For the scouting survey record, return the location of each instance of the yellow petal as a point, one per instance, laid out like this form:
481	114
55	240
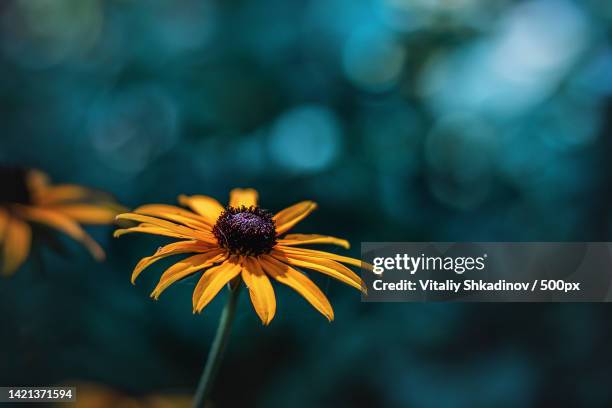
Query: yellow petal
87	213
145	228
305	239
201	235
17	241
65	193
187	267
4	219
152	220
321	254
175	214
37	183
328	267
37	179
212	281
299	282
207	207
260	289
247	197
181	247
64	224
287	218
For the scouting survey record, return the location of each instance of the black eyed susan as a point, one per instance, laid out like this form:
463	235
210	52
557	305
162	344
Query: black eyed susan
91	395
240	241
28	199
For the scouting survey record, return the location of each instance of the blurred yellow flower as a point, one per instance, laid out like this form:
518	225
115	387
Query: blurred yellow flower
244	241
28	198
90	395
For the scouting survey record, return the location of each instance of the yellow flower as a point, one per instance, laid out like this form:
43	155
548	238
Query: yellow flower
240	240
26	196
90	395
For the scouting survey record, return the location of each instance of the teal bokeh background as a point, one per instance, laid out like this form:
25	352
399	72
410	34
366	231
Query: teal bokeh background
406	120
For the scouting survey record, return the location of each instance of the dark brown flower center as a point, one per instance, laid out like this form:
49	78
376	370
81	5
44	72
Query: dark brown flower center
246	231
13	187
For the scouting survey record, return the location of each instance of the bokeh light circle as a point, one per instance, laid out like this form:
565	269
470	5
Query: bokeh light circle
305	139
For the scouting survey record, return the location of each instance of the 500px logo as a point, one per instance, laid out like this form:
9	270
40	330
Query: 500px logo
413	264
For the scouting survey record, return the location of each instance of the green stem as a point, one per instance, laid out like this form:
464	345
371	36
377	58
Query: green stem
215	355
